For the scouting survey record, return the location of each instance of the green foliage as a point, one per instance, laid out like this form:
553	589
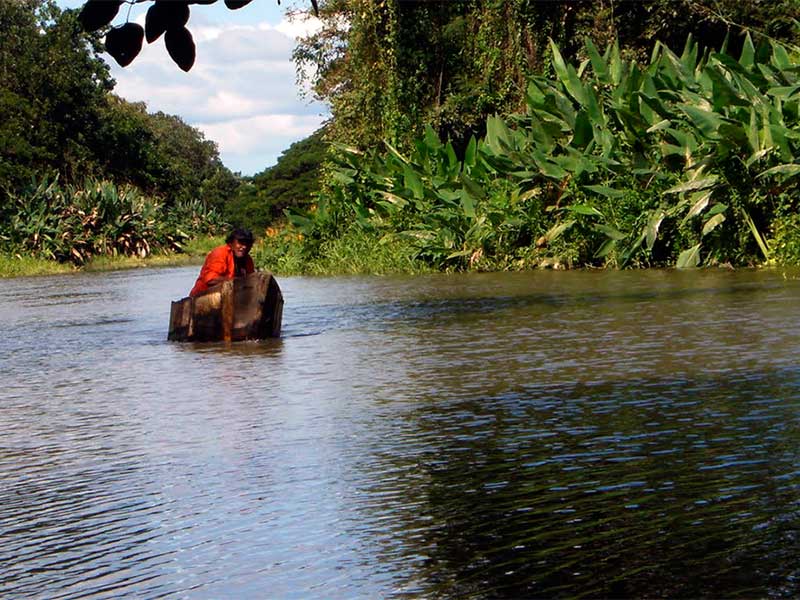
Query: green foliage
74	224
389	68
61	124
355	252
18	266
685	161
292	183
281	251
785	240
51	87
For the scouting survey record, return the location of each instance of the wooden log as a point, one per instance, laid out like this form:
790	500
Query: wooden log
273	309
249	294
180	320
241	309
227	310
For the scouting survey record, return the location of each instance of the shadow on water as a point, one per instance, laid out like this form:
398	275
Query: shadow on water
266	347
646	488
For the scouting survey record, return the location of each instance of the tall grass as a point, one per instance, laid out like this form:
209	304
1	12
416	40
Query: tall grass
284	251
17	266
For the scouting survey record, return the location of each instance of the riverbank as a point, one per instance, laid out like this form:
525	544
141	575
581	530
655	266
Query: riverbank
16	265
285	252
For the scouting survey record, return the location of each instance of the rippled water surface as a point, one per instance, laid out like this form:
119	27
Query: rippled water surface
575	434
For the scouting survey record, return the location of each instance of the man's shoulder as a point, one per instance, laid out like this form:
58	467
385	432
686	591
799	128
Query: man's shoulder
220	250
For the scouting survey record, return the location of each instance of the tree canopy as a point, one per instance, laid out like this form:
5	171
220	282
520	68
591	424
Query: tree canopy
388	68
60	116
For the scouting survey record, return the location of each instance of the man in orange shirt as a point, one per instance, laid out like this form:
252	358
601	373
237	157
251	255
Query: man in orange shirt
226	262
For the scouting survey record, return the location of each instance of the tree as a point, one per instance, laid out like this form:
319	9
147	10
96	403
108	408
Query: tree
290	183
59	116
52	86
388	68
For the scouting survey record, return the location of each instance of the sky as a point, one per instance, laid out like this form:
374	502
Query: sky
241	92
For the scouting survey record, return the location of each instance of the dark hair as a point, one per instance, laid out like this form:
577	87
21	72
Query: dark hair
243	235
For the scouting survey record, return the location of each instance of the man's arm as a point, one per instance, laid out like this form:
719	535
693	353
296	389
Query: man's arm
215	270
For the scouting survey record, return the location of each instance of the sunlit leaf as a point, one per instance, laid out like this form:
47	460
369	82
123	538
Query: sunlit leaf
412	181
584	209
556	231
467	204
718	208
498	135
689	258
604	190
599	65
747	58
780	58
708	122
690	186
605	249
762	243
701	200
651	231
712	223
789	170
394	199
548	167
470	152
394	152
609	231
663	124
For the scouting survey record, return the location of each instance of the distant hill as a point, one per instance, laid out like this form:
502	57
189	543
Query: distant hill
292	181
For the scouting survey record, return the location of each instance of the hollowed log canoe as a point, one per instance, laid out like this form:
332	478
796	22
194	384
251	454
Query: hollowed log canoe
245	308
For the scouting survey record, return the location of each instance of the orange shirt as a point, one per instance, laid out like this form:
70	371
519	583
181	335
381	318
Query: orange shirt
219	263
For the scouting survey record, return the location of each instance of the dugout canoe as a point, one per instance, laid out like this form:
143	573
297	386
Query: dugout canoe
246	308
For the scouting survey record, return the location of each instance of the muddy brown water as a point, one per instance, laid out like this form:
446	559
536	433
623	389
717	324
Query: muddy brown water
545	434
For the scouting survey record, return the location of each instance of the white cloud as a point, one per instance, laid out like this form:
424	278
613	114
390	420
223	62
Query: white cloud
300	26
247	141
241	91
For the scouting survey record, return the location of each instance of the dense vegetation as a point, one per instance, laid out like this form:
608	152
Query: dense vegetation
292	182
482	134
83	172
688	160
495	135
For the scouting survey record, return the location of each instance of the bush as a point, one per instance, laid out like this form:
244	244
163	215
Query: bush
75	223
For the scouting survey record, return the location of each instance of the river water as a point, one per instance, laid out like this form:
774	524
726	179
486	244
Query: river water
544	434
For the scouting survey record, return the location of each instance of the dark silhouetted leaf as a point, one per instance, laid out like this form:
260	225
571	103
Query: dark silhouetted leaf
180	46
98	13
165	15
316	8
125	42
234	4
202	1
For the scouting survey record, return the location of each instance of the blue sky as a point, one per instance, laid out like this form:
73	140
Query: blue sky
241	91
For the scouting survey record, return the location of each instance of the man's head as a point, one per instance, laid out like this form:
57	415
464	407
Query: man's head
240	241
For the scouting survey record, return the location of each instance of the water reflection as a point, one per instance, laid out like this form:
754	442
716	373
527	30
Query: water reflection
656	488
496	435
